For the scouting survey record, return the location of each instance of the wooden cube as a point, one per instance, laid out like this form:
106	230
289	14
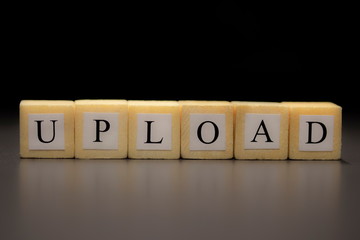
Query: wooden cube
315	130
101	128
47	129
154	129
261	130
206	129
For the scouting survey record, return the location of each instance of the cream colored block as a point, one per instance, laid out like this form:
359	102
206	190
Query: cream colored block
101	128
315	130
154	130
46	129
206	129
261	130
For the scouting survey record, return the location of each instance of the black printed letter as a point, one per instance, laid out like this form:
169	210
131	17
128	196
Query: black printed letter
148	137
39	131
310	140
262	124
216	135
98	130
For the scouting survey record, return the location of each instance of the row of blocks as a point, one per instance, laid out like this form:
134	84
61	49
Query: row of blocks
89	129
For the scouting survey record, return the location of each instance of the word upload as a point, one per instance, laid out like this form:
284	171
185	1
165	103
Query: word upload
118	129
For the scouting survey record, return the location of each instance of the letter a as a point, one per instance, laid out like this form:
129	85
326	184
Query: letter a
262	125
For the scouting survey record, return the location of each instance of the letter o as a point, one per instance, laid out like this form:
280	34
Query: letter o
216	135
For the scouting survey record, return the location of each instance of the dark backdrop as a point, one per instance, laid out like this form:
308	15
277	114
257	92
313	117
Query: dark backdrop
213	51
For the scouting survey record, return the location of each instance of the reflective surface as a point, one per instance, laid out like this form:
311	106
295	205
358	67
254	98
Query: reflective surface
179	199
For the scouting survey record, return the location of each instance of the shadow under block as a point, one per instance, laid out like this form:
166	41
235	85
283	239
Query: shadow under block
101	128
154	130
47	129
261	130
206	130
315	130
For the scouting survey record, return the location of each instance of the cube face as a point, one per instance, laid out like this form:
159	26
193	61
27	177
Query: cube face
47	129
206	130
154	130
315	130
101	128
261	130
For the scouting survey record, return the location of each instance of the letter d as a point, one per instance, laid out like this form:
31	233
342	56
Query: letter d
310	129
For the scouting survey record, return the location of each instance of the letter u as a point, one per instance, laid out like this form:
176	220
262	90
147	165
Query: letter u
38	122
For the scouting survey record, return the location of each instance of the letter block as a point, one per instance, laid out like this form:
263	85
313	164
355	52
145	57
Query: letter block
46	129
315	130
206	129
261	130
101	128
154	129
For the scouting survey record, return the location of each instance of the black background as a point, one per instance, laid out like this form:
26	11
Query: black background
213	51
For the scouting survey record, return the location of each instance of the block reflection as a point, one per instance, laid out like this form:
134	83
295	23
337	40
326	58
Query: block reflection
176	199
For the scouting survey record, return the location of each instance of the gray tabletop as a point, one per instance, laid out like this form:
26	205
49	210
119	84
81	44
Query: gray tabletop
179	199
